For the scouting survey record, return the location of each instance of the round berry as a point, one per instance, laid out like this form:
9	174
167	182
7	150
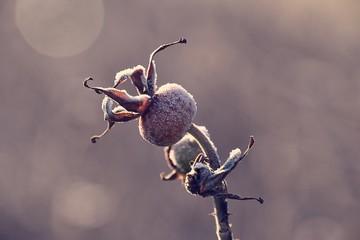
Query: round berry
169	115
185	151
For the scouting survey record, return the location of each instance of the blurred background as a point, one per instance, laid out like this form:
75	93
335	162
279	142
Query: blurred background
286	72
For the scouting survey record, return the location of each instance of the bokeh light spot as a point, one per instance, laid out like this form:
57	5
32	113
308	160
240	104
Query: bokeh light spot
319	228
59	28
83	204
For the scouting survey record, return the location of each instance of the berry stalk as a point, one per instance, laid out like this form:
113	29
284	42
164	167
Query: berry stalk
221	214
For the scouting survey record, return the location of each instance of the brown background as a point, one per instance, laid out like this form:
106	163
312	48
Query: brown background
285	71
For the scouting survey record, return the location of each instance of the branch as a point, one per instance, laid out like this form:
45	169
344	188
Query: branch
206	145
221	214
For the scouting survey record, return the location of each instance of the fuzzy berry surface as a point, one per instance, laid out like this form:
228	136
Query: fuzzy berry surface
169	115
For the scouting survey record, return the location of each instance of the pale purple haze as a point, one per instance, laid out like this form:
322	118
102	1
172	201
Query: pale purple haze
286	72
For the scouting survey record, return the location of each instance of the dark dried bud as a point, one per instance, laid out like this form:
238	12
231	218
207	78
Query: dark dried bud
196	179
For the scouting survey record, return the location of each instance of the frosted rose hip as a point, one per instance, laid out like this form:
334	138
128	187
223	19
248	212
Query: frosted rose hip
165	115
169	115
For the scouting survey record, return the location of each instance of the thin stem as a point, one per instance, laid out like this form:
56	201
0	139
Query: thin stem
221	214
206	145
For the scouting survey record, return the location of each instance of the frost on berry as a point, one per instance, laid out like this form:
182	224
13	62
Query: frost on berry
185	151
169	116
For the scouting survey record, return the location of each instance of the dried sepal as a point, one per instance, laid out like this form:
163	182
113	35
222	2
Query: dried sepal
180	156
118	114
185	151
136	104
121	77
173	175
235	157
151	70
204	181
151	78
168	159
176	172
125	74
196	179
238	197
94	138
138	79
85	83
132	107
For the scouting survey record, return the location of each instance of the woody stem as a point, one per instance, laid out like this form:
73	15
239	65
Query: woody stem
206	145
221	214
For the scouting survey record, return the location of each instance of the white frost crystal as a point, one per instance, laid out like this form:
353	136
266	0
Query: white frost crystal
234	156
106	106
123	74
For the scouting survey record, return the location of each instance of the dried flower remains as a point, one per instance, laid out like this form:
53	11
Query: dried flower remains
166	119
165	114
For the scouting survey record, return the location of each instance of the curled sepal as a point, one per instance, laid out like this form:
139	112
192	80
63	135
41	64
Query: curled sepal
173	175
122	76
151	71
196	179
85	83
204	181
94	138
180	155
118	114
136	104
229	165
176	173
106	107
151	78
139	80
238	197
236	156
